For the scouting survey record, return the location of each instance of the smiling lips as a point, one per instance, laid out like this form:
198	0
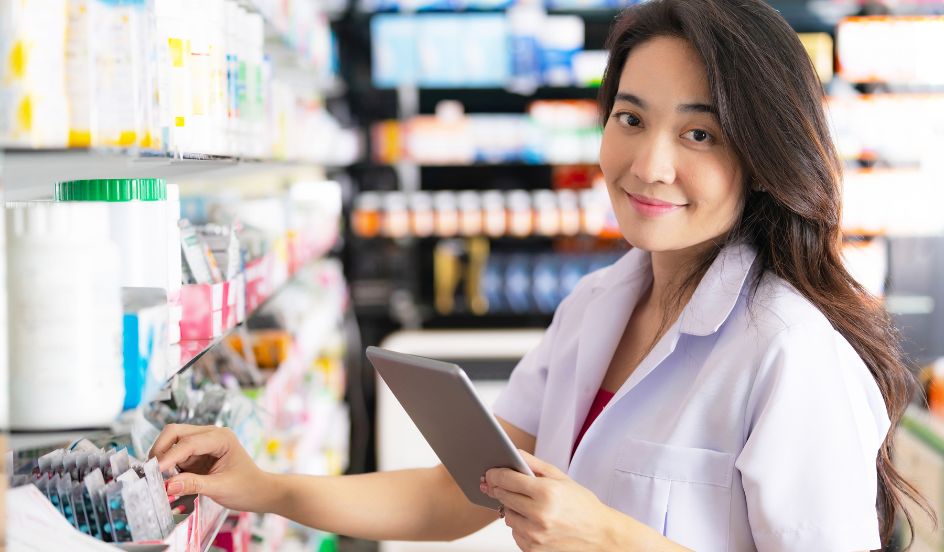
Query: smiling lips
651	207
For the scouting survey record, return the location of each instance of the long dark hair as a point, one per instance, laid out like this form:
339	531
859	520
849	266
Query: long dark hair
770	105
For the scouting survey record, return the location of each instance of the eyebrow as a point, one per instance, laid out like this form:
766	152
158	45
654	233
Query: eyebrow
682	108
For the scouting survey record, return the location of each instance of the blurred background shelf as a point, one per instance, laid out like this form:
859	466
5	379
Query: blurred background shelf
30	173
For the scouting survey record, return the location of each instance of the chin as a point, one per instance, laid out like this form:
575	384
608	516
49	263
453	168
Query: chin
646	242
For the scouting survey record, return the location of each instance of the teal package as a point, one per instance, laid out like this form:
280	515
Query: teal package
144	343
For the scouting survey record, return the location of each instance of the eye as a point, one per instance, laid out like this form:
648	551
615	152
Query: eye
627	119
700	136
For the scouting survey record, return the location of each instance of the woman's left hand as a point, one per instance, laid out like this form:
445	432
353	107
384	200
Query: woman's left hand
550	511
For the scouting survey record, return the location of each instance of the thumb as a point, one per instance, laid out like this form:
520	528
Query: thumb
540	467
190	484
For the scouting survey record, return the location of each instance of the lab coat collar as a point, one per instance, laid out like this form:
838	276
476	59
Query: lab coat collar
613	298
718	291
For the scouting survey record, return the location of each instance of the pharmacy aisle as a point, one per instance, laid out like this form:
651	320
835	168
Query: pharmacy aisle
171	228
480	203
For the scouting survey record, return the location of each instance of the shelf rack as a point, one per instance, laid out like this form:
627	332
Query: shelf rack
191	353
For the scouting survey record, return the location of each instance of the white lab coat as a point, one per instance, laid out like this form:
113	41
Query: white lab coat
752	424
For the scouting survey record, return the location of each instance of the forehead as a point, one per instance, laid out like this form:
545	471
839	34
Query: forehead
665	69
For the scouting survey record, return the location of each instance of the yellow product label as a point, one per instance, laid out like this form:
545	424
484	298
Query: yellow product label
24	114
147	141
178	51
179	121
127	138
18	60
80	138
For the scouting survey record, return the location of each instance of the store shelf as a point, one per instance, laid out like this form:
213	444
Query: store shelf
485	164
799	15
30	173
191	352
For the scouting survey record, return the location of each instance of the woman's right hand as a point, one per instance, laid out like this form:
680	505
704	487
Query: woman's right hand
214	463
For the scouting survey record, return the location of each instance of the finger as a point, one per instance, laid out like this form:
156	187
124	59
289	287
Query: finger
540	467
523	542
171	434
511	480
518	502
191	484
212	443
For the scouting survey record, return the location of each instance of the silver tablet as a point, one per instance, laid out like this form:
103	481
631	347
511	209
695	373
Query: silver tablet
442	403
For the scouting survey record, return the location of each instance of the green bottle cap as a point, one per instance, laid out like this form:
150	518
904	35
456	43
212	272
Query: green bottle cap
112	189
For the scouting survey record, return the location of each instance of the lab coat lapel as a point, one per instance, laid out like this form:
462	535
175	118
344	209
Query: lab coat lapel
605	318
709	307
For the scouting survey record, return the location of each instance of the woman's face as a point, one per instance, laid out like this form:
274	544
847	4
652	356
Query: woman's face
673	181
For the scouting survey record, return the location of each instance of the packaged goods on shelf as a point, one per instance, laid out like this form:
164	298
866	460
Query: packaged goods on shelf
523	50
864	55
163	76
516	213
107	495
472	280
34	109
408	6
889	130
554	132
908	199
65	295
145	329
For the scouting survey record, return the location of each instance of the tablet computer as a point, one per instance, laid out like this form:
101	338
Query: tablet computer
440	399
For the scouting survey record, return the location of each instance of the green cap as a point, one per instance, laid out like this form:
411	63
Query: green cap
112	189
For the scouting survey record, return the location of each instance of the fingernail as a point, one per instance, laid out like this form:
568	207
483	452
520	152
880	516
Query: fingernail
482	479
175	488
484	488
177	510
171	498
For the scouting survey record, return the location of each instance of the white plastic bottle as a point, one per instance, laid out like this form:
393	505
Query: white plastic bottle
65	303
137	209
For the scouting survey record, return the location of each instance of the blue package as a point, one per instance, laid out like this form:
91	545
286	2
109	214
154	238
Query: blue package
573	268
393	49
562	37
439	47
483	55
492	5
493	283
146	324
517	282
546	283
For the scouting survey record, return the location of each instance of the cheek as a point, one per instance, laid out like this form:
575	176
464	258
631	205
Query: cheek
612	156
718	198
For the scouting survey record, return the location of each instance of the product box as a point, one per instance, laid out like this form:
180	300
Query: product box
482	52
145	339
258	285
394	51
203	310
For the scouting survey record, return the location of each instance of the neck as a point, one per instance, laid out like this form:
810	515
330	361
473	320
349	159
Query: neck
670	270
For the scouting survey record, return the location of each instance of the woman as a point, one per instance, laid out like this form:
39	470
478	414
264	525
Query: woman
724	386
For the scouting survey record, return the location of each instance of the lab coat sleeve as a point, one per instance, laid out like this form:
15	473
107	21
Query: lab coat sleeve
521	401
815	420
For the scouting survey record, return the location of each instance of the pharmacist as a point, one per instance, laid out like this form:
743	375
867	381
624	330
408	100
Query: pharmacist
726	385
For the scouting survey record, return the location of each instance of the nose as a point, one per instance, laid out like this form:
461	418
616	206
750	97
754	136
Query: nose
654	161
